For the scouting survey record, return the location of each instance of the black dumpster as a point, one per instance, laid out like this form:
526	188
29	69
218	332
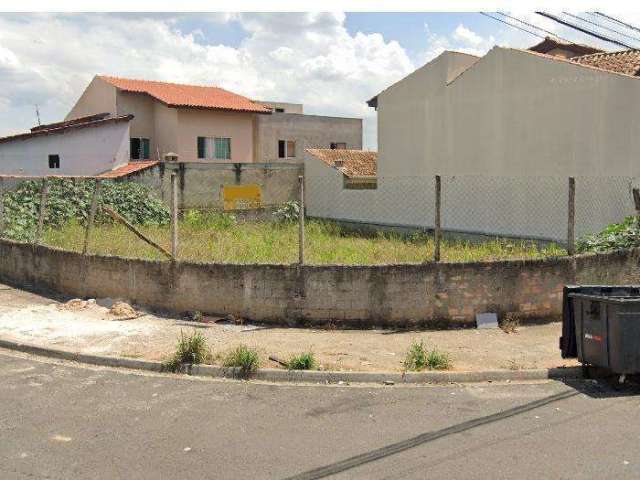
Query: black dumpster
601	326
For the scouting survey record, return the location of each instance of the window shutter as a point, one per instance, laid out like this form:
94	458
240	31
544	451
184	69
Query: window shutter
201	147
291	149
223	148
145	148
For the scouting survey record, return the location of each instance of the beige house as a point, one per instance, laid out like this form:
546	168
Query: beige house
209	124
505	131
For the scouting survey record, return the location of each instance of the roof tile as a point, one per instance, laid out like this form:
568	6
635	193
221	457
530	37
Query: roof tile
625	61
128	169
352	163
194	96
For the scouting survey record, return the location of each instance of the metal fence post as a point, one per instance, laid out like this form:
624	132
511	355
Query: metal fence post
44	193
92	216
174	216
571	217
1	213
301	223
437	234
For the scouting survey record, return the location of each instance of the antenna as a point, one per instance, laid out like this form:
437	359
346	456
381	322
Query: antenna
38	114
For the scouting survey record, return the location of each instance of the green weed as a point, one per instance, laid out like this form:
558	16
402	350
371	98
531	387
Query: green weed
243	357
304	361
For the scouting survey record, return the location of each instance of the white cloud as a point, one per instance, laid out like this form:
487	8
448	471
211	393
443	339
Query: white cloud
461	39
308	58
464	35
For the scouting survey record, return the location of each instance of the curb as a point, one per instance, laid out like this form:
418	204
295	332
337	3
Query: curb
305	376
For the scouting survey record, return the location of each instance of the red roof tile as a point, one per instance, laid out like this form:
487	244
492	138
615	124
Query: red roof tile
351	163
625	61
128	169
194	96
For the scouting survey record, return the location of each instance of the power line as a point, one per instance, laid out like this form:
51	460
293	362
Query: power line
533	26
512	25
618	21
583	29
601	26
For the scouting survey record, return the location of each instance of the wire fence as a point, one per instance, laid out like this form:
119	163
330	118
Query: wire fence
319	220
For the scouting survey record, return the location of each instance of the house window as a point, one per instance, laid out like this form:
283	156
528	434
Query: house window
286	149
279	110
214	148
139	148
338	146
54	161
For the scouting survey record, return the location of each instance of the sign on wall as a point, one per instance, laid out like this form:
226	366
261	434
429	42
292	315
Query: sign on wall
241	197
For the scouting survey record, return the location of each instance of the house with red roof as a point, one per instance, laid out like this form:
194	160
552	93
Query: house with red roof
209	124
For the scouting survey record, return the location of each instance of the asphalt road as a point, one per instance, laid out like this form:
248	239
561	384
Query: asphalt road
62	421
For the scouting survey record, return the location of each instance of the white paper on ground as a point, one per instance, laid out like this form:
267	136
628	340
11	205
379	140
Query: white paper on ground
486	320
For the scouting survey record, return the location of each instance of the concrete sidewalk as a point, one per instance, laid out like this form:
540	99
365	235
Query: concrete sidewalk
51	322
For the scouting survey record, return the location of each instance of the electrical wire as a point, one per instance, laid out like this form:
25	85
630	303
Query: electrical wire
512	25
618	21
583	29
601	26
534	26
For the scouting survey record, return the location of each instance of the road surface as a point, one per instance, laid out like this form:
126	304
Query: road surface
63	421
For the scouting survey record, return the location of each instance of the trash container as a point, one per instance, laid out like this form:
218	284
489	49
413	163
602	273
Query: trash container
601	326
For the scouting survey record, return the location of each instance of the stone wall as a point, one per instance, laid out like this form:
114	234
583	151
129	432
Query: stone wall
200	184
419	295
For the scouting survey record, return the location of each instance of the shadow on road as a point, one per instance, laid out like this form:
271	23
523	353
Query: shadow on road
421	439
605	387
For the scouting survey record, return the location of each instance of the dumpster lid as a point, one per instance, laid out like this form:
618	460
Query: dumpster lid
607	298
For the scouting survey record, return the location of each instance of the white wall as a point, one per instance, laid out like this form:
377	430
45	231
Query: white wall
83	151
505	134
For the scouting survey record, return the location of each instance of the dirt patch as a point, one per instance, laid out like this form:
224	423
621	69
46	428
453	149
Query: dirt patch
122	309
92	329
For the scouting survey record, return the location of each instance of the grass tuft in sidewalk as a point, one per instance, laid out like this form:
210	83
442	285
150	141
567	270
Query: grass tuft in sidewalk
419	358
191	350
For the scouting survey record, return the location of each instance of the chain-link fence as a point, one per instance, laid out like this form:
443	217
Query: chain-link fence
361	221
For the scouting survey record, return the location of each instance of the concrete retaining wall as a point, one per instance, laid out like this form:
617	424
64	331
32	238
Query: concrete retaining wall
426	295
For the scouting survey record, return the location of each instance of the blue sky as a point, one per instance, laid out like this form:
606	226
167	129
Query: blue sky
331	62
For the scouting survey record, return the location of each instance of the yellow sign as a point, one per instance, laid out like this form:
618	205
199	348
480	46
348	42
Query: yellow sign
241	197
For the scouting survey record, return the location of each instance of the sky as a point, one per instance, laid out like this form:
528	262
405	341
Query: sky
330	62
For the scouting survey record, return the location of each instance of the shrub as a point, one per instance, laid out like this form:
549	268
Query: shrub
190	349
418	358
69	200
437	360
289	212
615	236
304	361
243	357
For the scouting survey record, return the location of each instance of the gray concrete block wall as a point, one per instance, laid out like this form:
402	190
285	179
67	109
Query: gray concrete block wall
308	131
420	295
200	184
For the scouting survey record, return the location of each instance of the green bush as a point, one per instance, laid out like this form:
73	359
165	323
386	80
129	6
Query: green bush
243	357
304	361
418	358
69	199
613	237
191	350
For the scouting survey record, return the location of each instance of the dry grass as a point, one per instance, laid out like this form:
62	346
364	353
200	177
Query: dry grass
218	238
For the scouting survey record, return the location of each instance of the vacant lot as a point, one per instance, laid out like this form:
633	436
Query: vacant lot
220	238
